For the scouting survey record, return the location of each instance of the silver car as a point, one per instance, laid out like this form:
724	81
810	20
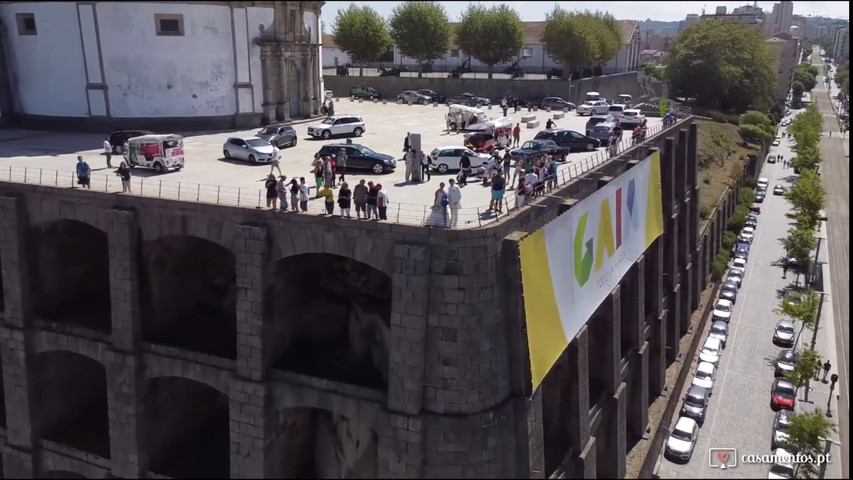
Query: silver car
255	150
413	97
720	331
696	403
785	333
728	291
781	424
785	362
682	440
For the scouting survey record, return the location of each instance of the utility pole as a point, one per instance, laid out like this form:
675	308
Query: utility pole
827	446
817	318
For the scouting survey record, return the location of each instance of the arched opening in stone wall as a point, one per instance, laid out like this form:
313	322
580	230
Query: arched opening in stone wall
70	274
188	295
186	429
61	474
331	318
314	443
71	401
556	416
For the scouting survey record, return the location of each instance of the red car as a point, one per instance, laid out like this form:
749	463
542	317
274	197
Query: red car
783	395
481	142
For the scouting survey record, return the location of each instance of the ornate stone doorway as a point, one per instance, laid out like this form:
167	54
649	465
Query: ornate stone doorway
294	90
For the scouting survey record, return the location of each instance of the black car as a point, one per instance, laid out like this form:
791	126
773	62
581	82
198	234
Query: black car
280	135
536	149
556	103
468	99
361	91
432	94
771	159
360	157
574	141
119	138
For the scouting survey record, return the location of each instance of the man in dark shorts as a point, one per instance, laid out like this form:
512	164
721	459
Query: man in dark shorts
83	172
359	197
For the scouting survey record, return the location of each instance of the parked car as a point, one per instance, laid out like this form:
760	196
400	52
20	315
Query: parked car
468	99
776	142
783	465
751	221
735	276
481	142
781	425
785	362
746	237
760	195
279	134
742	251
412	96
433	95
351	125
574	141
616	110
763	183
593	107
632	117
722	310
785	333
603	130
739	262
446	159
783	395
704	376
771	159
728	291
778	190
118	138
364	92
254	150
360	157
711	351
556	103
720	331
682	440
536	149
695	404
595	120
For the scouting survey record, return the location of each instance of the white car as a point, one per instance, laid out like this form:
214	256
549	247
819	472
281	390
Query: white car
705	375
746	237
594	107
739	262
723	310
783	466
738	271
616	110
776	142
254	150
445	159
632	117
350	125
711	351
763	183
682	439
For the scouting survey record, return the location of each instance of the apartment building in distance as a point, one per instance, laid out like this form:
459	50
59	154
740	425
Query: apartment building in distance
841	46
752	19
785	48
780	19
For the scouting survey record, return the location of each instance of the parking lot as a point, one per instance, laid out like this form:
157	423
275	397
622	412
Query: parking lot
49	158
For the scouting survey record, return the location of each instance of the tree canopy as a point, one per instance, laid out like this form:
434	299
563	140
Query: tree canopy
807	197
361	32
421	30
757	127
581	40
722	65
801	307
807	436
842	78
803	74
491	35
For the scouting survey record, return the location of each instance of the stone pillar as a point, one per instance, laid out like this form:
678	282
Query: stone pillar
612	434
253	349
401	447
667	177
409	310
633	308
579	425
654	276
611	318
251	426
15	345
125	394
123	238
657	356
681	161
638	392
267	67
673	337
282	104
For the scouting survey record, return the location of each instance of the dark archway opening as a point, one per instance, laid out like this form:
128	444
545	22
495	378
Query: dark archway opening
187	429
188	295
313	443
556	416
62	474
331	318
70	274
71	401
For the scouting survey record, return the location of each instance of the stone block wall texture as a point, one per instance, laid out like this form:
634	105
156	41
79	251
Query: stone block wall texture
458	402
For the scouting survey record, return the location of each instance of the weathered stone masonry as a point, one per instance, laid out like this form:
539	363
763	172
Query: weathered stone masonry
458	400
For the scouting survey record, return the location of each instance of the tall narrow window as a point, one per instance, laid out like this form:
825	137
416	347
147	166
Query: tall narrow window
26	23
169	24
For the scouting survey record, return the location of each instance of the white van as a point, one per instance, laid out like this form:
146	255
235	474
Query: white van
626	99
466	116
616	110
592	96
160	152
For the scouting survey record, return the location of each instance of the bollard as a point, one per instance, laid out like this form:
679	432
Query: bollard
434	104
375	100
360	100
548	109
559	115
565	109
384	102
490	107
351	99
527	118
533	124
535	108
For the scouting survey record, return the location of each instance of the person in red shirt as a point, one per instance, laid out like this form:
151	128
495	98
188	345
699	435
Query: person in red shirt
516	135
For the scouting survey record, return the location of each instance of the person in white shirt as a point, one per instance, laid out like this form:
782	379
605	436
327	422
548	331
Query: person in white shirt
426	175
532	179
454	202
303	194
108	151
274	164
382	202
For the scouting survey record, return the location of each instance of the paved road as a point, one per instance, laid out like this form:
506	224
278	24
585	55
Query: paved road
739	415
836	179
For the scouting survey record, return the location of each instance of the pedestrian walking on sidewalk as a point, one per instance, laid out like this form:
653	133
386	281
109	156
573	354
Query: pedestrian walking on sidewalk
826	368
108	151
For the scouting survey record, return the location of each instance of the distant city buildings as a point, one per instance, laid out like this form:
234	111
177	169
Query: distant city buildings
841	46
785	49
752	19
780	19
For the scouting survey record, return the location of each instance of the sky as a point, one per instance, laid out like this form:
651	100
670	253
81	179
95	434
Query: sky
664	10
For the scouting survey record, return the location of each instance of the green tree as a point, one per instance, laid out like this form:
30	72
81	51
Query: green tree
361	32
800	306
797	91
807	158
799	244
723	65
807	368
756	127
581	40
805	77
663	105
421	30
491	35
807	435
807	196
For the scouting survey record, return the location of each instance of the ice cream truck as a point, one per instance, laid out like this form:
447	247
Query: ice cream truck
159	152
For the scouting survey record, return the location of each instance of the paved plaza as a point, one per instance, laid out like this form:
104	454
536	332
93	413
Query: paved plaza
49	158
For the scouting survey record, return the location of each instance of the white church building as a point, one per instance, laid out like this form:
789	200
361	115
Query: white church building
178	65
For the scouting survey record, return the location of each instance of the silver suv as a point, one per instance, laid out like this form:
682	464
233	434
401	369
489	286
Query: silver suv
349	125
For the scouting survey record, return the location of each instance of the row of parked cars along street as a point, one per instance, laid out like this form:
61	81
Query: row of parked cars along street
683	437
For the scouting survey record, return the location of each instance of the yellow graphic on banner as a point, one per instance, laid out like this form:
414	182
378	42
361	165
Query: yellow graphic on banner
545	336
654	204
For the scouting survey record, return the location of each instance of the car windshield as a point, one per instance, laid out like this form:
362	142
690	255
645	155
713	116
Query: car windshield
716	328
681	435
785	328
269	130
257	142
693	401
602	128
530	146
702	374
783	425
782	470
709	350
629	114
724	307
788	357
366	151
730	287
328	121
784	390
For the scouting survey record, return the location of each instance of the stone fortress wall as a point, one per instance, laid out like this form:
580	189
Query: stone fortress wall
149	338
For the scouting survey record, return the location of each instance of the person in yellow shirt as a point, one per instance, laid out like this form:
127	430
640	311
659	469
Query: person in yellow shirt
329	194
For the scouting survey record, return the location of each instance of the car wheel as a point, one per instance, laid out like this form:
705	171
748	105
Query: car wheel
293	143
119	149
158	167
226	154
326	134
443	168
420	101
378	168
252	158
357	132
590	147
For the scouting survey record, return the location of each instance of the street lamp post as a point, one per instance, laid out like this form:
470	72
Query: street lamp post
832	379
